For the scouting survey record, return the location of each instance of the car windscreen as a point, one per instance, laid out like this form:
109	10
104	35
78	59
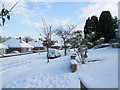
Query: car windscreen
51	51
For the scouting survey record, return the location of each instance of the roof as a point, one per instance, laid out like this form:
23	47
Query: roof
62	44
15	43
52	49
57	44
36	43
3	46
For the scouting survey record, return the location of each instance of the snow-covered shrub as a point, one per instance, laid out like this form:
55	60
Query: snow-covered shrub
100	41
80	45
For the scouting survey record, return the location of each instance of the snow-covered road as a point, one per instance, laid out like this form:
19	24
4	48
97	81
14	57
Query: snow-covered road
32	71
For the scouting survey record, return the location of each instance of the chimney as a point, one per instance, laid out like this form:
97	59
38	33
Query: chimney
20	39
26	40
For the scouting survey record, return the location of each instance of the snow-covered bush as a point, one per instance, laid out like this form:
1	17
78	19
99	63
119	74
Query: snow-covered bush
100	41
80	45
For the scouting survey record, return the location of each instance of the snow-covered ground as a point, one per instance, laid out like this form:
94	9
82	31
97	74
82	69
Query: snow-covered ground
32	71
103	73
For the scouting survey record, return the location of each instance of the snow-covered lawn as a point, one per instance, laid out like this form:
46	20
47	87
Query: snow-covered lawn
32	71
101	74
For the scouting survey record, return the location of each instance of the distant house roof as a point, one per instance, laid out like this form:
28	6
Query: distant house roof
36	43
16	43
62	44
3	46
57	44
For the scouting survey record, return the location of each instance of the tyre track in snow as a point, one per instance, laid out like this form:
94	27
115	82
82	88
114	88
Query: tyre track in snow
58	75
11	63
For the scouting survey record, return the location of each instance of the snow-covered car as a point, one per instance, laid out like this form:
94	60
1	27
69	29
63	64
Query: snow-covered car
53	53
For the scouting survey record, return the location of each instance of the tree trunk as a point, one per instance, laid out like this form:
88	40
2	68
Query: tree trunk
47	55
82	58
65	51
79	57
65	48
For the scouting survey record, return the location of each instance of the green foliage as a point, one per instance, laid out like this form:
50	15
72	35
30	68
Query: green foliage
105	27
79	44
91	29
100	41
115	21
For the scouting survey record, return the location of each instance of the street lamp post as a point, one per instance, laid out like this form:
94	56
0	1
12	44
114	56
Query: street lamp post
39	38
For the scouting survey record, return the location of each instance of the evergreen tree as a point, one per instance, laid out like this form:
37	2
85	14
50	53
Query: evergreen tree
95	27
91	29
106	26
87	27
115	20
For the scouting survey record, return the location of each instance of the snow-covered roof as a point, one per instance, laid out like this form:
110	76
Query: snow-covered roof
62	44
36	43
15	43
50	49
68	44
3	46
57	44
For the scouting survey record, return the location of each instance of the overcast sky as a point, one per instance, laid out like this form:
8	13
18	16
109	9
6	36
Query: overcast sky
26	16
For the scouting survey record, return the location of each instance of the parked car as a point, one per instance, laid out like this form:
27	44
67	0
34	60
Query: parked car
35	51
14	52
53	53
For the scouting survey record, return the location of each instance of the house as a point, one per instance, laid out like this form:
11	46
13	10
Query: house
56	46
17	45
67	45
37	45
3	49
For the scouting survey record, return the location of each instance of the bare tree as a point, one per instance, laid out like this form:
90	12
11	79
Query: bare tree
47	33
64	33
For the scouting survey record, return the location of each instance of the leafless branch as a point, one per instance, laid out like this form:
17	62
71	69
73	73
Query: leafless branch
14	6
10	9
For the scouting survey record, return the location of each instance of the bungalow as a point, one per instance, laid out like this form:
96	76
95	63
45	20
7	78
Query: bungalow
37	45
17	45
67	45
3	49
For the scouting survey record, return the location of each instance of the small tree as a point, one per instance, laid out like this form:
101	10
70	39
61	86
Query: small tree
64	33
47	33
80	45
27	39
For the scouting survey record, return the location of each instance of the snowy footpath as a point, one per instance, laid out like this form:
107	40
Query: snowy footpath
32	71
